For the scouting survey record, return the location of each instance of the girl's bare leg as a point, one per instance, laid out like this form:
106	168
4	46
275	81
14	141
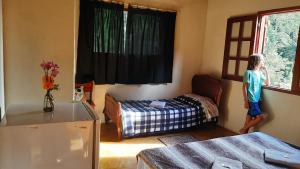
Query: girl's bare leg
247	121
252	123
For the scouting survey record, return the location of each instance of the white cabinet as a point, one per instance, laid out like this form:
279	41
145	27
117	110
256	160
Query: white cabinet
65	144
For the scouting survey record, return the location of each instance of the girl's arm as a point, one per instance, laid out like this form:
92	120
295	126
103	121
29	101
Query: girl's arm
246	103
267	80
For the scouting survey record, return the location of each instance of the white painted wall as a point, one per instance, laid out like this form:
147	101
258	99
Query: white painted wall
283	109
2	102
37	30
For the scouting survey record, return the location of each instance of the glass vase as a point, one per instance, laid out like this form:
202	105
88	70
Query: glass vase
48	102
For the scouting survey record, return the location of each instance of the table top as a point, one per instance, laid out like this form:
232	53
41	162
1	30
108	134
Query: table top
34	114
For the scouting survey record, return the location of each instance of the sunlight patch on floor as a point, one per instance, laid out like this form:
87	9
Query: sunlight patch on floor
112	149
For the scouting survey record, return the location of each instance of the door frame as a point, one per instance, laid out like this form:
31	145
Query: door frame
2	94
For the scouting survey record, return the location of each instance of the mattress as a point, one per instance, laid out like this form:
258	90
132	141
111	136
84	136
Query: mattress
183	112
247	148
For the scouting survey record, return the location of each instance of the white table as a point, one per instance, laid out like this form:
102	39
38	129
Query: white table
67	138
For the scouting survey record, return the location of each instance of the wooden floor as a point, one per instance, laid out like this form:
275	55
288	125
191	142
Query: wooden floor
116	154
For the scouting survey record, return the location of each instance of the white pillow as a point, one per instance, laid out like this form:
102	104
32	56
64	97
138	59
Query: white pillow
209	107
157	104
199	98
278	157
223	162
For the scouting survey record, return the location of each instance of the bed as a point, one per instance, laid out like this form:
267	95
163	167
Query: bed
247	148
136	118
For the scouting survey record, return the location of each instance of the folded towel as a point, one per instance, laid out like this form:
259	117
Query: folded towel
223	163
157	104
278	157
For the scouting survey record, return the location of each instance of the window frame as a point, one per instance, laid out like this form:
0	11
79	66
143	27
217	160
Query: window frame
296	73
295	89
256	47
239	40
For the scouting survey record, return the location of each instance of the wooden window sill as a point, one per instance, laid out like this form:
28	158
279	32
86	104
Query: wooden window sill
282	90
239	79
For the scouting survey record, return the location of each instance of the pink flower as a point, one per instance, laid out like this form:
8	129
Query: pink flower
54	72
50	68
48	65
43	65
55	66
51	71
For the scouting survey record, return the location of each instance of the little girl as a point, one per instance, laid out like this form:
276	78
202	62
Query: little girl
254	78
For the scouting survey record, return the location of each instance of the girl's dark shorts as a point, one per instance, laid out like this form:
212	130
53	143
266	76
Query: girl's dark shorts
254	109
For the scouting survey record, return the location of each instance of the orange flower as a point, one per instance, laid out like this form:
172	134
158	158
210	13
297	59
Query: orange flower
48	82
48	86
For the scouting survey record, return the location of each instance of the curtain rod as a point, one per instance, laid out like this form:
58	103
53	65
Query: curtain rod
135	5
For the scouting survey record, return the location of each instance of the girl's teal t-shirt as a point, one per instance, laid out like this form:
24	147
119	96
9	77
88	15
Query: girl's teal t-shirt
255	82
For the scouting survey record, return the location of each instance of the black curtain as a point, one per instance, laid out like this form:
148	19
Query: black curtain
100	42
84	67
106	56
149	46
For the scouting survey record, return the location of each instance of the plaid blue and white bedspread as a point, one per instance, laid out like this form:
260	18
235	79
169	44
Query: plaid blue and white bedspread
182	112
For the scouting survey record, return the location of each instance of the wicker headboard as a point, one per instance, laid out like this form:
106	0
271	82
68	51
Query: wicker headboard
207	86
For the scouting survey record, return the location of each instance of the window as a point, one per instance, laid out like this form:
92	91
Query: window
279	44
275	34
239	44
115	46
125	13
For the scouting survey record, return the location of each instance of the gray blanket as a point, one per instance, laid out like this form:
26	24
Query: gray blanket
247	148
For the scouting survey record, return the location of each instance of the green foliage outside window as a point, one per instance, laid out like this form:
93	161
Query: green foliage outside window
280	47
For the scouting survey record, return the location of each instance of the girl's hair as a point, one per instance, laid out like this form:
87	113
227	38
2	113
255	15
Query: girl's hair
254	60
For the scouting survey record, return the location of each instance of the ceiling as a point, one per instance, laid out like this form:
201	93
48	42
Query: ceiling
164	4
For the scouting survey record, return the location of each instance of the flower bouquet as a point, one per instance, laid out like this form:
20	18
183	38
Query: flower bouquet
50	72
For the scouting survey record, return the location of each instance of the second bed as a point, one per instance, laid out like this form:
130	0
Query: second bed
138	118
